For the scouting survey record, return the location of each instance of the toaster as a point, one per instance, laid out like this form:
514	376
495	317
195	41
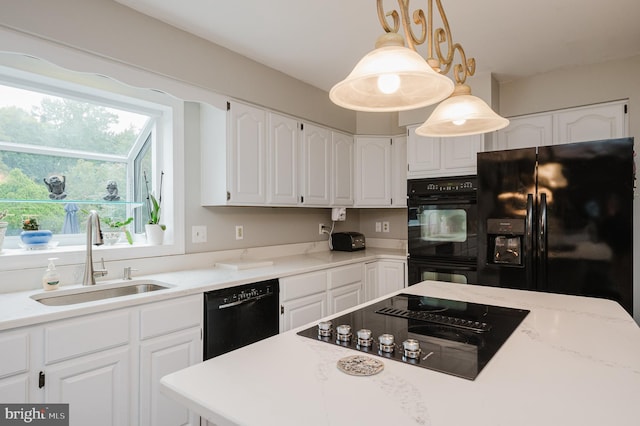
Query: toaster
347	241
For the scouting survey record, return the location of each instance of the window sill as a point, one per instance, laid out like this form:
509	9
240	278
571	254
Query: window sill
16	259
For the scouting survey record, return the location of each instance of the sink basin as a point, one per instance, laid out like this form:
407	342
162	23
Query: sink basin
98	292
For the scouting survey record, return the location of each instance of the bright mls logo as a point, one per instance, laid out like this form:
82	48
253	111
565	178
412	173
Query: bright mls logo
35	414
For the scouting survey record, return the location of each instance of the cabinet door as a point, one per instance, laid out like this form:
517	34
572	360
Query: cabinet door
97	388
298	312
399	172
161	356
316	165
342	170
591	123
459	153
455	156
345	297
15	366
423	153
247	150
283	160
373	171
370	281
391	277
527	132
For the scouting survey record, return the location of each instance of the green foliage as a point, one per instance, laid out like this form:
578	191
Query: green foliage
120	224
154	213
66	124
30	224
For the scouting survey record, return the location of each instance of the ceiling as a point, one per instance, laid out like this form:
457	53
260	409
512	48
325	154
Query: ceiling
319	41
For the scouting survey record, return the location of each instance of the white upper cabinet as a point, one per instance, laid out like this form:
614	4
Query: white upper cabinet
381	171
283	160
594	122
525	132
373	171
433	157
591	123
316	165
342	183
399	172
247	165
233	155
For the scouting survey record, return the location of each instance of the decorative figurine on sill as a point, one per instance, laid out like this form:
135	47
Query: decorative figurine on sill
112	191
56	184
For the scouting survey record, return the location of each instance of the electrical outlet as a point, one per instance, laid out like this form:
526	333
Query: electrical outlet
239	232
385	226
378	227
321	228
198	234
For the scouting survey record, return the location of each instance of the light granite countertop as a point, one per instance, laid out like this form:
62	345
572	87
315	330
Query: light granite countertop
572	361
18	309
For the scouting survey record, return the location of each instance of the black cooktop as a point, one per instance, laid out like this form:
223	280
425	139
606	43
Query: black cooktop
453	337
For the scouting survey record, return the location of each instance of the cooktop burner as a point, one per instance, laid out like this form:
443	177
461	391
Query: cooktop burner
450	336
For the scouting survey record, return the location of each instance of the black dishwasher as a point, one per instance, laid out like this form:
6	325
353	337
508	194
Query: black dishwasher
238	316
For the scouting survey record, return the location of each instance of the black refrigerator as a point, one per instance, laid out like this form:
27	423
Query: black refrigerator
558	219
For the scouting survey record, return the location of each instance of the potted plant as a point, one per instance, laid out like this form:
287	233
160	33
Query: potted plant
153	228
31	235
116	228
3	227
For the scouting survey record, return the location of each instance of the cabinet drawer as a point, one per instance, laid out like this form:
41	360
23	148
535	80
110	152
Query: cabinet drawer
303	285
173	315
79	336
15	353
345	275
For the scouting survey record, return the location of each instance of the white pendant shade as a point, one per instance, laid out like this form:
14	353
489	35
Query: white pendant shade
391	78
460	115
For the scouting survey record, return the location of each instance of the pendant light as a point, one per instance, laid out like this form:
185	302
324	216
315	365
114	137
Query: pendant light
391	78
396	78
461	114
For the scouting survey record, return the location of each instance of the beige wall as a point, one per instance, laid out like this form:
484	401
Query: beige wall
111	30
576	86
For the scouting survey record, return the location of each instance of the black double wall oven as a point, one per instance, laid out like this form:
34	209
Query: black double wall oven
442	233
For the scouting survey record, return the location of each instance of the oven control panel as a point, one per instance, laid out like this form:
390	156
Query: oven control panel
421	187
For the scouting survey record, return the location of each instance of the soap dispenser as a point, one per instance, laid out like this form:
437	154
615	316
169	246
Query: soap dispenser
51	277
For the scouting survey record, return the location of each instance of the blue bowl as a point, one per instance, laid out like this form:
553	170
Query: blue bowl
36	238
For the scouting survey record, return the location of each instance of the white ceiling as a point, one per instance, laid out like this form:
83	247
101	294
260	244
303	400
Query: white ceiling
319	41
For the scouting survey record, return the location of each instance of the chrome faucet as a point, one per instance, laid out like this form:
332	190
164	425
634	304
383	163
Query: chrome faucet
94	236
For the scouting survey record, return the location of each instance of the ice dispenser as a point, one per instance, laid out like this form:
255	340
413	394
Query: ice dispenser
505	240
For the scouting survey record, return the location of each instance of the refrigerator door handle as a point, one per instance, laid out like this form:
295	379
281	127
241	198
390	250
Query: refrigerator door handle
542	243
528	243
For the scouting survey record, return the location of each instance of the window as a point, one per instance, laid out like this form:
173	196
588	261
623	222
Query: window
67	148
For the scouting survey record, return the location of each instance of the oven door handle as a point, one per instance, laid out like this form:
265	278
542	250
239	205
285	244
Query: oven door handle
418	201
242	302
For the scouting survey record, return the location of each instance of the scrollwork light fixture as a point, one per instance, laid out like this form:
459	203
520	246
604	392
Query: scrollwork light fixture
396	78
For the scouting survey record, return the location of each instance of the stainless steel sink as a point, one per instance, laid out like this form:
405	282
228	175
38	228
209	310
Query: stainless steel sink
99	292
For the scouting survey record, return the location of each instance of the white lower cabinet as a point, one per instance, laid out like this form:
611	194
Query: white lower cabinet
170	340
345	289
384	277
95	386
306	298
303	299
303	310
106	366
15	377
158	357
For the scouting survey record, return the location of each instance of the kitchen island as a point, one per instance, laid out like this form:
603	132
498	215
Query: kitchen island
572	361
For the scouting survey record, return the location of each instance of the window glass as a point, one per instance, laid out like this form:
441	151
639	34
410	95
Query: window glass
62	154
